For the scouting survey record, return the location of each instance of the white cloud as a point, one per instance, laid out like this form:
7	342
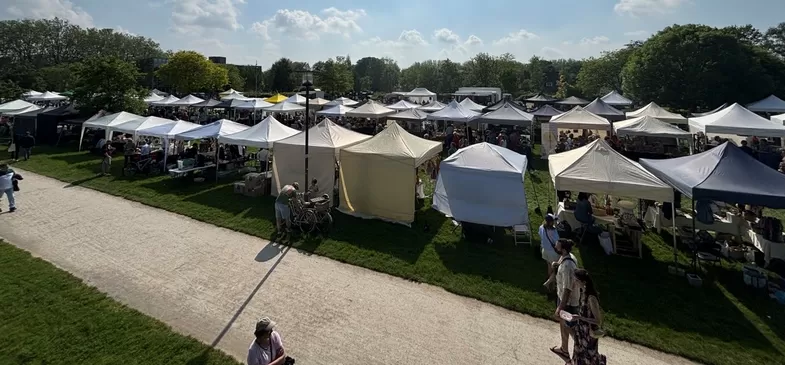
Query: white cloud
48	9
593	41
637	34
204	16
516	37
473	40
445	35
301	24
412	37
646	7
119	29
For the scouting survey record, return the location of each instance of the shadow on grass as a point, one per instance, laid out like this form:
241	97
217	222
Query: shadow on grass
82	181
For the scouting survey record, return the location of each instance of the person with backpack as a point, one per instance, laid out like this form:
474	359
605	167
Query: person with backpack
568	295
9	183
588	328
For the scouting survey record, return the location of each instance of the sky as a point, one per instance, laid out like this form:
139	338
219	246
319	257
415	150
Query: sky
262	31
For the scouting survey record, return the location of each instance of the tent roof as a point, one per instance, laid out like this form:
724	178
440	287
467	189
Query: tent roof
409	114
371	109
284	107
336	110
502	103
342	101
649	126
572	100
737	120
433	106
235	95
15	105
135	125
601	108
30	93
254	104
403	105
159	92
209	103
296	99
598	168
420	92
230	91
546	111
656	111
771	104
168	130
30	112
277	98
723	106
326	134
187	101
47	96
230	103
539	98
213	130
318	102
487	157
725	173
110	120
152	97
778	119
615	99
166	101
507	114
395	142
579	118
471	105
62	110
454	112
262	135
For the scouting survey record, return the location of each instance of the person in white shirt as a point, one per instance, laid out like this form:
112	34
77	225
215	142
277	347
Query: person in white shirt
145	150
568	295
548	239
267	347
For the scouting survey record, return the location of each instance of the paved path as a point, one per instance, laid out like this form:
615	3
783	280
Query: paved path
213	284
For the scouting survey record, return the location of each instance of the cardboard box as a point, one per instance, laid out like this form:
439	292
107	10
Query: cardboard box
239	188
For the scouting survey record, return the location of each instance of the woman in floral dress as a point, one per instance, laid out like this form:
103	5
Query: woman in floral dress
587	331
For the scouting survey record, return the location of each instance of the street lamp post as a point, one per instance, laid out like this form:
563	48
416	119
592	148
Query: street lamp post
307	84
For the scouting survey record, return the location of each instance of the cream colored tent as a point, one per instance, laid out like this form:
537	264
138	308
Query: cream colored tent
654	110
324	143
378	176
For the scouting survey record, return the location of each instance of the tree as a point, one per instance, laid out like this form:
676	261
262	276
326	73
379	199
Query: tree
108	83
601	75
746	33
9	90
775	40
189	71
565	89
236	80
333	76
539	75
60	77
279	75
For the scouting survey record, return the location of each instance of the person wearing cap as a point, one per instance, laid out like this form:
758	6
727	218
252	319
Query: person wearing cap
267	347
282	211
568	294
548	239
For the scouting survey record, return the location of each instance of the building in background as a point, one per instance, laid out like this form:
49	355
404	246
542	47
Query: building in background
217	59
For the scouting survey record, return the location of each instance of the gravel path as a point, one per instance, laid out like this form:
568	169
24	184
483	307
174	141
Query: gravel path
213	283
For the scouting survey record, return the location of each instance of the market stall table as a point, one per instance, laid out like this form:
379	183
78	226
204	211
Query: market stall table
771	250
568	215
654	216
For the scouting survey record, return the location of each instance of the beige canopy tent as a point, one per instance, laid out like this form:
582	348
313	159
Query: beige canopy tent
378	176
324	143
656	111
577	118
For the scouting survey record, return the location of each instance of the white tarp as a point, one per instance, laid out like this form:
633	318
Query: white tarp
213	130
229	92
771	104
30	93
615	99
296	99
656	111
47	96
454	112
378	175
410	114
29	109
578	118
14	105
778	119
471	105
371	109
420	92
233	95
254	104
324	143
598	168
284	107
335	111
187	101
106	122
167	101
152	97
403	105
736	120
168	130
342	101
433	106
483	184
649	126
134	125
262	135
318	102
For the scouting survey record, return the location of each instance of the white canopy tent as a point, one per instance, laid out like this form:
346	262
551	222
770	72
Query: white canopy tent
167	101
284	107
778	119
159	92
454	112
215	129
577	118
229	92
168	130
30	93
335	111
47	96
324	143
296	99
152	97
656	111
378	175
262	135
106	122
342	101
409	115
134	125
483	184
187	101
371	109
433	106
613	98
14	105
506	115
471	105
736	120
598	168
420	94
771	104
29	109
318	102
649	126
254	104
233	95
403	105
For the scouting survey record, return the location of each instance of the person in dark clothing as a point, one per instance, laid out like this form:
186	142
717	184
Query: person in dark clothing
26	144
747	149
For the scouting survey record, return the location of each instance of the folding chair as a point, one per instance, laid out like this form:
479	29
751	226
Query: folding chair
522	233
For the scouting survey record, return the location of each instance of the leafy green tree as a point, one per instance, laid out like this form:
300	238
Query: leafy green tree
235	79
108	83
9	90
334	76
565	89
775	40
189	71
746	33
539	75
60	77
279	75
603	74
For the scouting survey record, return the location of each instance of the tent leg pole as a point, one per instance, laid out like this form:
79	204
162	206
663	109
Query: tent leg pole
673	223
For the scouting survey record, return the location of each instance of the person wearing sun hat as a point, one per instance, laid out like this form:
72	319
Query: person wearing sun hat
267	347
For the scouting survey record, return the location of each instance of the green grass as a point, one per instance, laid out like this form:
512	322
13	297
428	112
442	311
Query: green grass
721	323
48	316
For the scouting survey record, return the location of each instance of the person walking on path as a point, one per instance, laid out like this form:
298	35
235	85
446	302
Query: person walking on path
569	296
282	212
267	347
589	323
548	238
9	182
26	144
106	162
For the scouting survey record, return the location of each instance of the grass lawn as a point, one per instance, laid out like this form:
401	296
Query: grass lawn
721	323
51	317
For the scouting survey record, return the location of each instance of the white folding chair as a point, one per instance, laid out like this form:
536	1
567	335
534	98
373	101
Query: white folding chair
522	234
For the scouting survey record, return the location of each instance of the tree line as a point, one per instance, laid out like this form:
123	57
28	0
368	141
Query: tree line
686	67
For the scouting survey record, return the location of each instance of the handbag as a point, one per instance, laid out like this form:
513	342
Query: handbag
287	360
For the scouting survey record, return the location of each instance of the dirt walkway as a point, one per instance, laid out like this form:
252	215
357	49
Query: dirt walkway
213	284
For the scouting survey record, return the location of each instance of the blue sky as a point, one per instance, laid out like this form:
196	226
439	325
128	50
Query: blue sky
250	31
